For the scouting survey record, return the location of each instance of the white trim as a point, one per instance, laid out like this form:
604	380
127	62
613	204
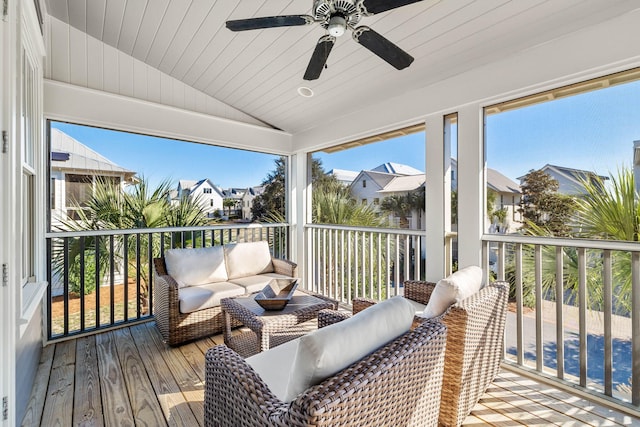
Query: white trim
65	102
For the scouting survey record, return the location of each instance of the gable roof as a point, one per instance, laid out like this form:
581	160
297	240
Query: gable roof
381	179
397	168
404	184
500	183
70	154
343	174
572	174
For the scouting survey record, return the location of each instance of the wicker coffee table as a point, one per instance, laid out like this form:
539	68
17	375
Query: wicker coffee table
271	328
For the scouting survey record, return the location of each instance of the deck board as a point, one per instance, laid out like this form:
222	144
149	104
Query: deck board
130	377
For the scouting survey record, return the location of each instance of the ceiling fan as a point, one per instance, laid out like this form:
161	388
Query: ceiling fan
336	16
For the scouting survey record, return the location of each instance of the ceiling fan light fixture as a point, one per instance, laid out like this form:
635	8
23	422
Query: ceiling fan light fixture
337	25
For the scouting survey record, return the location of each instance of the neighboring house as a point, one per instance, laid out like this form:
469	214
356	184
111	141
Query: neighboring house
345	177
235	194
397	168
247	200
569	179
400	186
209	195
507	197
75	170
365	188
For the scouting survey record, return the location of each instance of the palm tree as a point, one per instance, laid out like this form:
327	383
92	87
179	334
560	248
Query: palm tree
111	208
229	203
398	205
333	204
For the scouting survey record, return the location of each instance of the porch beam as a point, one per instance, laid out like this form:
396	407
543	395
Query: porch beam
66	102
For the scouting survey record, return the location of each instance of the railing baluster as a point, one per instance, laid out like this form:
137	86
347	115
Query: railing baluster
138	308
112	283
635	327
125	279
559	314
356	292
97	279
387	269
608	309
538	291
150	276
396	267
519	306
349	249
379	265
336	286
582	310
82	284
66	286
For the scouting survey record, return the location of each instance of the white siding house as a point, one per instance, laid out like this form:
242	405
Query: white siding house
569	179
365	188
247	200
209	196
75	170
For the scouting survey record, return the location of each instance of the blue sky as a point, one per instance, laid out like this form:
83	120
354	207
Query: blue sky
592	131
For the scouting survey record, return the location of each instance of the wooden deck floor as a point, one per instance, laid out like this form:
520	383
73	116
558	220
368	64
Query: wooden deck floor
129	377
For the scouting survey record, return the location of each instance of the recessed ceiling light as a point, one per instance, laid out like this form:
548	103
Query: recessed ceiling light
305	91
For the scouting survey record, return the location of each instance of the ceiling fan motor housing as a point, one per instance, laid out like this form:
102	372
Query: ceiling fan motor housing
325	10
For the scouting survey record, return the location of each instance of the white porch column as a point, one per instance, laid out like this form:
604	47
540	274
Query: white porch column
299	209
471	199
435	210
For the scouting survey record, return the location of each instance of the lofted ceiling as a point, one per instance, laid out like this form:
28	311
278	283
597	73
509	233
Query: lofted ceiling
259	71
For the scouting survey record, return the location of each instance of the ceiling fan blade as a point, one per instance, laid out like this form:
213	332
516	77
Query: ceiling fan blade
269	22
319	57
382	47
377	6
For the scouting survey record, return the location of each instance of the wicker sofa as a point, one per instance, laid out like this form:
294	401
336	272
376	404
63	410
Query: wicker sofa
395	384
474	344
189	284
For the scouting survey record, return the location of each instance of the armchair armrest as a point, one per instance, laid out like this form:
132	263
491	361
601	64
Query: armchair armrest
359	304
235	395
285	267
328	317
418	291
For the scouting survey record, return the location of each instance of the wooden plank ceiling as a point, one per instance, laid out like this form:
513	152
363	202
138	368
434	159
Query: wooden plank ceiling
259	72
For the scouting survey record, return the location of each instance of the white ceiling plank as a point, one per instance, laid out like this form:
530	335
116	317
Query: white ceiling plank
126	78
111	69
78	14
238	49
154	88
132	20
58	9
149	28
95	67
193	20
213	49
60	50
140	79
114	15
95	17
166	89
77	57
212	24
167	30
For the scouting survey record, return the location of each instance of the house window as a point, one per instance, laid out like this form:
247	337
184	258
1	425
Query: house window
376	201
52	202
364	183
364	201
210	202
77	193
207	191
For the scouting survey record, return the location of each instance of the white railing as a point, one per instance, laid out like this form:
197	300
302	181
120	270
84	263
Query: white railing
348	262
575	316
101	279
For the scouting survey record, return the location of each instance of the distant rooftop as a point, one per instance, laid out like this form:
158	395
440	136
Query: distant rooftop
397	168
343	174
70	154
404	184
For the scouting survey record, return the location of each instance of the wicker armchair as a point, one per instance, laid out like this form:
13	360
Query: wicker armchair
176	327
399	384
474	344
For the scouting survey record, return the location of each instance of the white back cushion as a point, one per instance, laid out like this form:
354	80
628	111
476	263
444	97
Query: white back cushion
458	286
192	267
248	259
329	350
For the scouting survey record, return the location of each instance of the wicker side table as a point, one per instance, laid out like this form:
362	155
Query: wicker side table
270	328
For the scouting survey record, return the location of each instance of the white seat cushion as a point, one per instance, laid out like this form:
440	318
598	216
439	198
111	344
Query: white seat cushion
273	366
257	283
329	350
247	259
418	307
193	267
194	298
458	286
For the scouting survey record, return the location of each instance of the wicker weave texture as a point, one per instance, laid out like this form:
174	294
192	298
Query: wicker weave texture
176	327
474	346
398	385
268	331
